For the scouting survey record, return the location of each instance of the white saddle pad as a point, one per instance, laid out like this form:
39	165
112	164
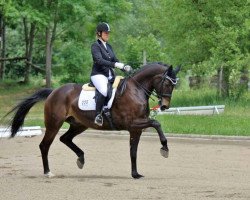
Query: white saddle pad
87	102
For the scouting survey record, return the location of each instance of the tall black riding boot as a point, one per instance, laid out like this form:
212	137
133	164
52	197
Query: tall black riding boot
99	104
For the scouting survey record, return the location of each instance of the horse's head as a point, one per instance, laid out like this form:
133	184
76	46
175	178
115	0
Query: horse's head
164	86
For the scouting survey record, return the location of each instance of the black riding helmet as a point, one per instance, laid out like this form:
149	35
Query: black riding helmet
102	27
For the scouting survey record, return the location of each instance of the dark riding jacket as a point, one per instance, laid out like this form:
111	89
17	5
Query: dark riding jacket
103	59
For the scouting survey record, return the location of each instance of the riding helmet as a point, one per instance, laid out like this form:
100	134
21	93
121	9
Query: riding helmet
102	27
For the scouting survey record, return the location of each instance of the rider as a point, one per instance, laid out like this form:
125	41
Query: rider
104	61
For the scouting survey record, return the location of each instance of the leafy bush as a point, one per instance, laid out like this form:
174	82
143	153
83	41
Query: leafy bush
74	65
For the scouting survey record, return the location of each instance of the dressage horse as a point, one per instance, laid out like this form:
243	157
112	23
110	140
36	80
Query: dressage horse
130	111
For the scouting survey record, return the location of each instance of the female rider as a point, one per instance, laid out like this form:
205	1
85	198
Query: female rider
104	61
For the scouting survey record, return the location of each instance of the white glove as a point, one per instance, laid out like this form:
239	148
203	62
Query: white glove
119	65
127	68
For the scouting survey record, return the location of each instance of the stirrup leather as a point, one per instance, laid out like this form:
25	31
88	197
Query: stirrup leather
99	120
107	113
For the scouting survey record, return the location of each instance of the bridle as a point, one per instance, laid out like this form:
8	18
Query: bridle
164	78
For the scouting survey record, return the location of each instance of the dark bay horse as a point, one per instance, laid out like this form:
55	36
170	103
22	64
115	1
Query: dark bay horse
130	111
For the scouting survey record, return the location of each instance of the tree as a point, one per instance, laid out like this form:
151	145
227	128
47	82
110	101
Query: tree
2	44
203	35
76	33
26	14
68	21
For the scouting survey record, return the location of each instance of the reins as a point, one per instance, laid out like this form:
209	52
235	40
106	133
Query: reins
147	92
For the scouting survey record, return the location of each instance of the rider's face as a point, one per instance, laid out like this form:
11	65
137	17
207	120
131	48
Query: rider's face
105	36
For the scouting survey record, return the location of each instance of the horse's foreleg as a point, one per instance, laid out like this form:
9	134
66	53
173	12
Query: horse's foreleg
164	150
67	139
145	123
134	141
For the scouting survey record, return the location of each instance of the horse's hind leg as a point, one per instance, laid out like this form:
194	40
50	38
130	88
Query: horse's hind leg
44	147
74	130
53	124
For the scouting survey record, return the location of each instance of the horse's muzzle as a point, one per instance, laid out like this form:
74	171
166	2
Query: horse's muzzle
164	104
164	107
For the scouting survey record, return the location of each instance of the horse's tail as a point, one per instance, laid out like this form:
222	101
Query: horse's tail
22	109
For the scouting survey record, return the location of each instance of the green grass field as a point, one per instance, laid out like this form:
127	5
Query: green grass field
234	121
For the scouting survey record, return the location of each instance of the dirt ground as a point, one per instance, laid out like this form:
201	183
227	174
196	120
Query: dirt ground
196	169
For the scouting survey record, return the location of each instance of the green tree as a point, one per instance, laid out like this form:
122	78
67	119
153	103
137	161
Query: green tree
69	22
203	35
80	32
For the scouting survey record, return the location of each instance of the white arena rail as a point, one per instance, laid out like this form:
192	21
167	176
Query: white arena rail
25	131
195	110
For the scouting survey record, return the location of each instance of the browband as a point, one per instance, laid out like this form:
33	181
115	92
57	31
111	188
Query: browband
173	81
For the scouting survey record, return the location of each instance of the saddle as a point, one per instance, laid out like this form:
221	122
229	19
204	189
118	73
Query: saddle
111	86
89	93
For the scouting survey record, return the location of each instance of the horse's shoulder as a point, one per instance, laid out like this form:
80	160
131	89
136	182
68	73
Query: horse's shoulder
122	86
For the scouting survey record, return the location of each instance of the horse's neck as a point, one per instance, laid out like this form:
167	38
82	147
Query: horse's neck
146	79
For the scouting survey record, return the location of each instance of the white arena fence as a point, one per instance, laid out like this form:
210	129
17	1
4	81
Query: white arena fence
25	131
195	110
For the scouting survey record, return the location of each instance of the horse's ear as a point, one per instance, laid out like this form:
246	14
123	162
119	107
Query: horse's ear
177	69
170	71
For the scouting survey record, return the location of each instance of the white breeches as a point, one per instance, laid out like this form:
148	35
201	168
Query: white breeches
101	83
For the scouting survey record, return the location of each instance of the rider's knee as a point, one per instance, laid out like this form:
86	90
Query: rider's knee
104	91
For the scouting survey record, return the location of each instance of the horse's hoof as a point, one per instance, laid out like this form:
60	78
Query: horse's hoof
137	176
49	175
164	152
80	162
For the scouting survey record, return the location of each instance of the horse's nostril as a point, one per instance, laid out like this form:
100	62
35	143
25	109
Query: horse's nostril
164	107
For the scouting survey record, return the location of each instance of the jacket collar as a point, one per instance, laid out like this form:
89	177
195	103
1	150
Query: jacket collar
103	44
108	50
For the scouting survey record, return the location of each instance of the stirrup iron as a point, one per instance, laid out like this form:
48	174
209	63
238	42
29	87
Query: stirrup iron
99	120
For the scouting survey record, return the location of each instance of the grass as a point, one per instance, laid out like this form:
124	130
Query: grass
206	125
234	120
